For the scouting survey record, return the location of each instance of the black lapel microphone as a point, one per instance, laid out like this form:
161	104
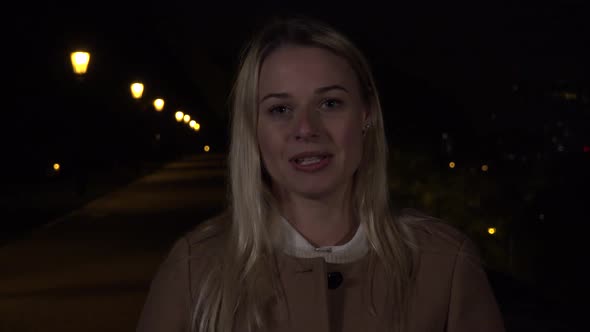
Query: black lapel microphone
334	280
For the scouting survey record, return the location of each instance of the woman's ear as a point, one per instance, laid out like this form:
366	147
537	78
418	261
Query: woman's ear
368	112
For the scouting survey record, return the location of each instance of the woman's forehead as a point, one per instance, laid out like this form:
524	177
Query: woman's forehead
301	68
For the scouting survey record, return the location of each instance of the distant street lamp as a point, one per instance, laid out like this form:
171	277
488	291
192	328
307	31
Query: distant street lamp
136	90
159	104
186	118
197	126
80	60
179	116
192	124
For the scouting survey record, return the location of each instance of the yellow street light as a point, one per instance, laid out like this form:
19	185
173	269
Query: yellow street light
186	118
192	123
492	230
159	104
80	62
206	148
452	164
136	90
484	168
179	115
197	126
56	167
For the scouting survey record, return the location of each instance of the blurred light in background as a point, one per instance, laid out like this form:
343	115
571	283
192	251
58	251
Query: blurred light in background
452	164
206	148
136	90
484	168
186	118
492	230
179	115
569	96
197	126
80	61
192	124
56	167
159	104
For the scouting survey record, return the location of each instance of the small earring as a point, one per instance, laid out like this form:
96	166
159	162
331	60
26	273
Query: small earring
366	127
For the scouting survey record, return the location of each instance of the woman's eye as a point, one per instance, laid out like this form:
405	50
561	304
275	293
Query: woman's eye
278	110
331	103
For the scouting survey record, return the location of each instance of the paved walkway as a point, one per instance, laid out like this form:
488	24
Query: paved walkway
90	270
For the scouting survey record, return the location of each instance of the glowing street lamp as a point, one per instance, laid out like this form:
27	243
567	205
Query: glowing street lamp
80	62
491	230
452	164
56	167
186	118
206	148
197	126
179	116
192	124
159	104
136	90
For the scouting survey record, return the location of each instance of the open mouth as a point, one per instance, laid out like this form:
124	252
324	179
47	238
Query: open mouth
311	161
305	161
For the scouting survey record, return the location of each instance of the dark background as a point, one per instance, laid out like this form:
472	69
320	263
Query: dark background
502	84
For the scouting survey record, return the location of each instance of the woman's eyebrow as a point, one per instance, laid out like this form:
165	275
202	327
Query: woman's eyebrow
329	88
284	95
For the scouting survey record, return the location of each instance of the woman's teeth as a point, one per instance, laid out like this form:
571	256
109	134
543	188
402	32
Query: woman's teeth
308	161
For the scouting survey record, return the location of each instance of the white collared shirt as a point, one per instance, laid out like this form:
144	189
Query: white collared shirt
294	244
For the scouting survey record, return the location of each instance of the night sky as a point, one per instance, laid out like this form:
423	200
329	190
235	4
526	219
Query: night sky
438	65
505	83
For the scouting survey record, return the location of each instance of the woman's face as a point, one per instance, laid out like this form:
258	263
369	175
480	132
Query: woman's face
310	119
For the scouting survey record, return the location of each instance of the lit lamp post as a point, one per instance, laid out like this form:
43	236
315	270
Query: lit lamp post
179	116
159	104
136	90
80	61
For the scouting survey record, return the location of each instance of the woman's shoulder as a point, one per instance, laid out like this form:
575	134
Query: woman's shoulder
209	233
431	234
204	241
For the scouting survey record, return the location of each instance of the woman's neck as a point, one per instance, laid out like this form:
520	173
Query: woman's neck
323	222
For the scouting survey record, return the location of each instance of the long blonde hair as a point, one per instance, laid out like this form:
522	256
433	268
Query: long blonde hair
248	282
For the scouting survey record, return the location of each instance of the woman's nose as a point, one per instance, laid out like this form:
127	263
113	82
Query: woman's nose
307	125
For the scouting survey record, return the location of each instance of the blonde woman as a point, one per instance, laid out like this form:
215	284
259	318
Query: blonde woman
309	242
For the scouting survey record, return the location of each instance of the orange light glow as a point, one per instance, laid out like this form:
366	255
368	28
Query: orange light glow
80	62
136	90
159	104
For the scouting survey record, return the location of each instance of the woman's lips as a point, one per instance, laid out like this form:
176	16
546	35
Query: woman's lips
310	162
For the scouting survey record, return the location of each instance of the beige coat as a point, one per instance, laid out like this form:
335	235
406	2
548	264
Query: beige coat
451	294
